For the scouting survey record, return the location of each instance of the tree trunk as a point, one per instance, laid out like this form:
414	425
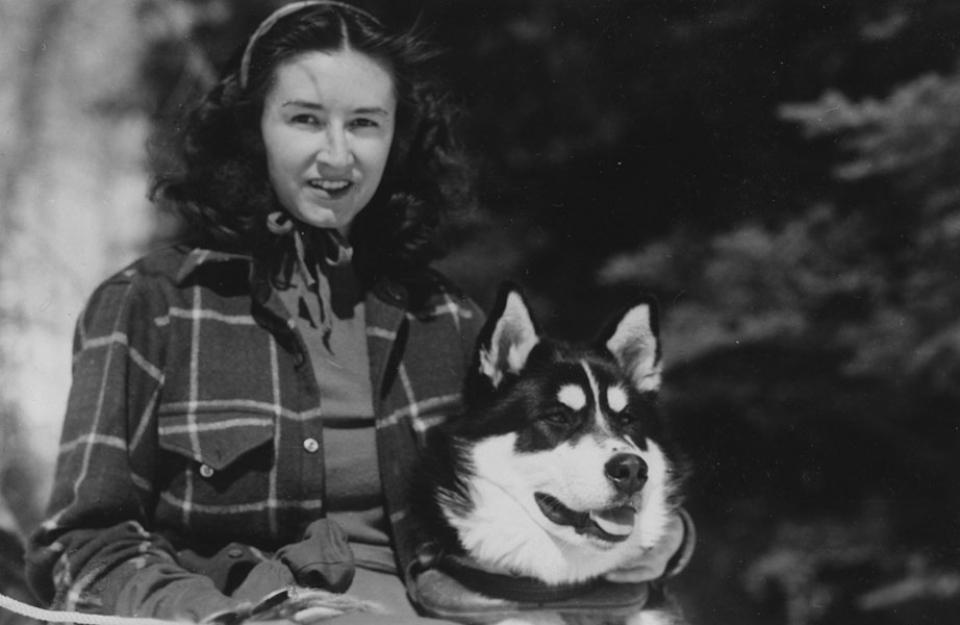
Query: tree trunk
73	209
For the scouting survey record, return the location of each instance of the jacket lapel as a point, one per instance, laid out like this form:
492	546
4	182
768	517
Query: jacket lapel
397	449
385	311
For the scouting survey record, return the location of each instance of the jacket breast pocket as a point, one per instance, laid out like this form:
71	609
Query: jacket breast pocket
213	466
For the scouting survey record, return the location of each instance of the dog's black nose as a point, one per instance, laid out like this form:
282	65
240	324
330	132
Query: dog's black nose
628	472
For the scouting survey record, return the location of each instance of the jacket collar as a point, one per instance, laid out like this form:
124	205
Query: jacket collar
199	256
391	293
386	306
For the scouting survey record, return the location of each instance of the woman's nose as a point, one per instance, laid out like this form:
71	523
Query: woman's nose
335	150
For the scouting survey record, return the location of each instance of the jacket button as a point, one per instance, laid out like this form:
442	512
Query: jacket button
393	293
206	470
311	445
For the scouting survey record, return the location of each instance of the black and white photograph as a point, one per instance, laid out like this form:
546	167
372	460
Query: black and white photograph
480	312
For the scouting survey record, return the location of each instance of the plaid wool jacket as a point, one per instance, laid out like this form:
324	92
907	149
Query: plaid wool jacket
193	421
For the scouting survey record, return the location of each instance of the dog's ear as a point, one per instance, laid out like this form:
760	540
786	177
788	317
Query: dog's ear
633	339
507	338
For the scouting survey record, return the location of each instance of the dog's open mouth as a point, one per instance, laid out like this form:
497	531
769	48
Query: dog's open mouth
611	524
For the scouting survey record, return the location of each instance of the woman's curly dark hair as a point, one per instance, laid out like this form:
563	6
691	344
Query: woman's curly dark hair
222	188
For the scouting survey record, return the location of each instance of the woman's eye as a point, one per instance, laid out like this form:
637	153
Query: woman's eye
305	119
363	122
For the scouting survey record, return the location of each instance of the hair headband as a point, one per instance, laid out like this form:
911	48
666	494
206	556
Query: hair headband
282	12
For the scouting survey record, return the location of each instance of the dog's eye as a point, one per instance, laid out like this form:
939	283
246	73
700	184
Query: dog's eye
559	415
625	417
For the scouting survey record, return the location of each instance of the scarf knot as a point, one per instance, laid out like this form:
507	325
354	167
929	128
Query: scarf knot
316	251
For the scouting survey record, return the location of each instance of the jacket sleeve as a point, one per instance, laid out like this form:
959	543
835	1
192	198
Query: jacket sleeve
95	553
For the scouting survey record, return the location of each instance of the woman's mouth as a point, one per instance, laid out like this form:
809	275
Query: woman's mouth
330	189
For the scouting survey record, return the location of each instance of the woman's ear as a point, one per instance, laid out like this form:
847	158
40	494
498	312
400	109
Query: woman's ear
507	338
633	340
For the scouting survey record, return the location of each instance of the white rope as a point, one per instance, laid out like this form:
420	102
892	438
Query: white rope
81	618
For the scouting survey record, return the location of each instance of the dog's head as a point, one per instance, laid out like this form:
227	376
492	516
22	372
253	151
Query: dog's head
562	471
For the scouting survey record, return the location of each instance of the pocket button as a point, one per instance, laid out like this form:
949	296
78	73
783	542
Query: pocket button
206	470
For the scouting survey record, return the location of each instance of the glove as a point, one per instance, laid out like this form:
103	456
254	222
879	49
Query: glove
297	604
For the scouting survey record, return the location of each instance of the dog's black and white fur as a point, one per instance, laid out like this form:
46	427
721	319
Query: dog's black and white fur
557	469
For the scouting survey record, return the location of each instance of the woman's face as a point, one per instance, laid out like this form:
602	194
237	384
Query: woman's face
327	125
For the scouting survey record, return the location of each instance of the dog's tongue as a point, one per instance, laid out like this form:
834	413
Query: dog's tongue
615	521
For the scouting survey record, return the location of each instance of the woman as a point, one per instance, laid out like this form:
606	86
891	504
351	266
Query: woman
246	409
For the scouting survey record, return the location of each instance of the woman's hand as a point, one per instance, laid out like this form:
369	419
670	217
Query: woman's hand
300	605
652	563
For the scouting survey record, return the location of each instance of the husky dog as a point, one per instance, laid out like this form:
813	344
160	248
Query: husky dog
557	470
